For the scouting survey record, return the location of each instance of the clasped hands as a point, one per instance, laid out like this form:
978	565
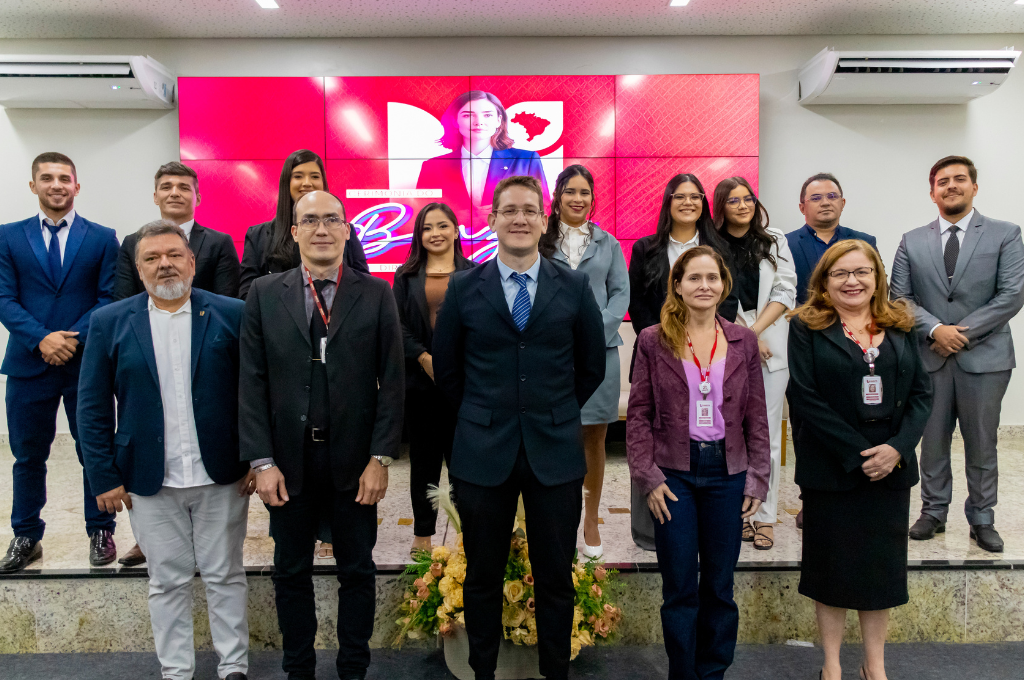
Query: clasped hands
949	339
880	461
659	508
58	347
373	485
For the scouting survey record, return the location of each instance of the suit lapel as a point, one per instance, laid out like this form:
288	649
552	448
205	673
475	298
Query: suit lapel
591	251
547	286
676	365
294	302
934	237
898	343
196	238
344	300
497	169
975	230
34	234
144	334
735	357
200	321
76	235
490	284
804	243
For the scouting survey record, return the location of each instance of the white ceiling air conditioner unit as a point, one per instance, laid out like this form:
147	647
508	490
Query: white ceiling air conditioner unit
903	77
33	81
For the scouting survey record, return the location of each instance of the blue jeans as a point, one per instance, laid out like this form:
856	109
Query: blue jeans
32	405
699	616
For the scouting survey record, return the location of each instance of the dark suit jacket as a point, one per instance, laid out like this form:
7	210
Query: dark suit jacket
217	268
32	305
646	301
823	396
255	263
517	387
417	335
805	258
120	362
365	373
445	173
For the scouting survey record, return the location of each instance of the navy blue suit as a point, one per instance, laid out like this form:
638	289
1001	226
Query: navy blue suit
33	305
445	173
805	253
120	362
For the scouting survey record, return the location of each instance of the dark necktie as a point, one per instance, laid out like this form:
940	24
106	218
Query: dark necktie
319	395
53	252
952	252
521	305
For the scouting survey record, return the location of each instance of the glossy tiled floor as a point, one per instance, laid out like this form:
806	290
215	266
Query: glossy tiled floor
65	544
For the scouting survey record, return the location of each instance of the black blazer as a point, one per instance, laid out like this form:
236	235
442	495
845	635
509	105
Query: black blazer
823	396
417	335
517	387
365	373
646	301
255	264
217	267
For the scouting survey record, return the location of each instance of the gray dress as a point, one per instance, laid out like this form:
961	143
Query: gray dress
604	263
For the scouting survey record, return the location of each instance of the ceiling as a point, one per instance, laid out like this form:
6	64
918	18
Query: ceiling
441	18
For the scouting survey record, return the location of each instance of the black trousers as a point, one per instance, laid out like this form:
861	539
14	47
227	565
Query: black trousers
431	425
294	526
552	519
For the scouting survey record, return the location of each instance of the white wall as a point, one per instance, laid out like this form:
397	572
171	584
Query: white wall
880	153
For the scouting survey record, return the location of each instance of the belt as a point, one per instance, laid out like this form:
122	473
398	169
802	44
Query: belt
318	434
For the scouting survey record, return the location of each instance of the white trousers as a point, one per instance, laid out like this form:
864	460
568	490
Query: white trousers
179	530
775	383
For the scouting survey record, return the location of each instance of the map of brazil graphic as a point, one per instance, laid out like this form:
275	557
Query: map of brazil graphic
534	125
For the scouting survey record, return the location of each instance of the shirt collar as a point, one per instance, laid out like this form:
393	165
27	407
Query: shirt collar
506	271
583	229
835	234
184	309
695	241
965	222
43	219
187	227
484	155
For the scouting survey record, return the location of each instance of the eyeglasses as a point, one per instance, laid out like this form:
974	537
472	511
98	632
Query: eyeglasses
528	213
818	198
746	200
688	198
311	222
862	274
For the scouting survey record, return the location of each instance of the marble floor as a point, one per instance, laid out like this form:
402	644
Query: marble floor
65	546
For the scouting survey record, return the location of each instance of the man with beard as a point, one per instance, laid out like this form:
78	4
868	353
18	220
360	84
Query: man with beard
964	276
174	466
56	269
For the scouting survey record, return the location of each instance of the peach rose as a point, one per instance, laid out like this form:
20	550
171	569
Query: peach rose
592	620
446	628
602	627
596	590
528	579
419	583
414	604
423	592
437	570
531	605
600	574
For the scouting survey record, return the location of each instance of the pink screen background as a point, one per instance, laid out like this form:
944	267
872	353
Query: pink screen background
633	132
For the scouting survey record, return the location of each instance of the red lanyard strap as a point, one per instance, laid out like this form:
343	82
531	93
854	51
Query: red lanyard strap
705	378
871	353
316	297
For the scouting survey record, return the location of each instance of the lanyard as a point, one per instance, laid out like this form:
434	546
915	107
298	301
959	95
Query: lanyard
870	354
316	297
705	378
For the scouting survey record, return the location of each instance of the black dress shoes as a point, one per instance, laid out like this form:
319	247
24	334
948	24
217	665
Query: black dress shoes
133	558
237	676
987	537
22	552
101	548
926	527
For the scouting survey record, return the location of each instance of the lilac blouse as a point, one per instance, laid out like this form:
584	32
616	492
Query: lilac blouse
716	431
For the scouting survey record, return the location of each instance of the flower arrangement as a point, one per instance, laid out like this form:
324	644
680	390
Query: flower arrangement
433	603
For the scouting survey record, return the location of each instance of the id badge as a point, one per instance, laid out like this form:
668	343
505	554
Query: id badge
705	413
323	350
871	390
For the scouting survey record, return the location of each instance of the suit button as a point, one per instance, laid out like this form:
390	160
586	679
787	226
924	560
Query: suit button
728	423
302	418
899	403
160	440
307	388
522	378
522	345
522	410
729	398
949	299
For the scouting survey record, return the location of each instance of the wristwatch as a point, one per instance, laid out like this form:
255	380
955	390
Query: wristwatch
384	460
264	468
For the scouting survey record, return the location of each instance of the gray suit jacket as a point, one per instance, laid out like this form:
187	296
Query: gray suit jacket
605	264
987	290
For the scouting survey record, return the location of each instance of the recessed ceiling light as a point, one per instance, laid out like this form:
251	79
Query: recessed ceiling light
267	4
678	3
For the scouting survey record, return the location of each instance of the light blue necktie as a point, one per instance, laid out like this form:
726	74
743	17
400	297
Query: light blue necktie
53	252
521	306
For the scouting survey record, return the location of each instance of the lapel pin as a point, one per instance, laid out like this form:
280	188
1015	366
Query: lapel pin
202	312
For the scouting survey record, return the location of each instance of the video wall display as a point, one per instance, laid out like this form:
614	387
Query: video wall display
392	145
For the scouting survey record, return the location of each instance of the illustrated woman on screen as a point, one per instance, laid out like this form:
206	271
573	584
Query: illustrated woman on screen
476	131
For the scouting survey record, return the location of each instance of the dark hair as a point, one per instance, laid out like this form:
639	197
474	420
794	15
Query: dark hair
527	181
706	232
158	228
762	240
417	253
549	239
820	177
53	157
176	169
452	138
953	160
281	246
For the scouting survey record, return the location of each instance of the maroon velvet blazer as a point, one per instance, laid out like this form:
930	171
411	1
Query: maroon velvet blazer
658	417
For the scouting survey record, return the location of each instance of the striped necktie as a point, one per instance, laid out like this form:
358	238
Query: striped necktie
521	306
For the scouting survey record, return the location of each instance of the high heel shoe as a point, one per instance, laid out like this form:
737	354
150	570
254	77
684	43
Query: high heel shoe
592	552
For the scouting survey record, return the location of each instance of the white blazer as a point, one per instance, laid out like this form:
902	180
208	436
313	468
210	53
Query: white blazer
776	284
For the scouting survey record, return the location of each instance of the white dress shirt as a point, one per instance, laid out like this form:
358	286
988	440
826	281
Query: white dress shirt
944	226
187	227
172	345
511	288
572	242
474	172
62	233
675	248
